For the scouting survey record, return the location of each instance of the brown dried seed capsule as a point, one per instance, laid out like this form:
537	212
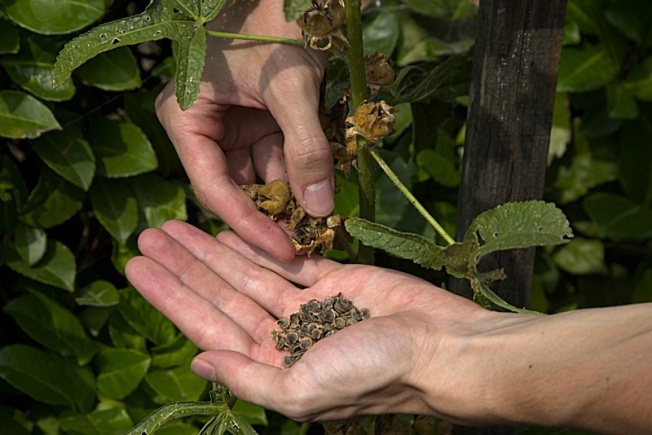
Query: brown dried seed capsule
317	333
342	305
339	323
327	316
305	343
312	306
283	322
292	337
289	360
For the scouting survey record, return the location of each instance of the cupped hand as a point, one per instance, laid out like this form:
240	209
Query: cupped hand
257	112
225	294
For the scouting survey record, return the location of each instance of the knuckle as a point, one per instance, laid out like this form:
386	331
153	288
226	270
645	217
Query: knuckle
312	155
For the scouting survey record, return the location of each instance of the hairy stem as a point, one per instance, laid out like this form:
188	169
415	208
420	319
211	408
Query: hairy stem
404	190
355	60
172	411
279	40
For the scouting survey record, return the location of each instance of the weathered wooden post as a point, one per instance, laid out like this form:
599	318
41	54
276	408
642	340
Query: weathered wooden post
515	63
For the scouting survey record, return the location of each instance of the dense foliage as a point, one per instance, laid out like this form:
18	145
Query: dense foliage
85	167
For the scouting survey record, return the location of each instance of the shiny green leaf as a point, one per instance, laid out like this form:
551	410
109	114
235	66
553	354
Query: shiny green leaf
145	319
30	243
581	257
52	202
105	422
48	18
253	414
125	74
381	34
585	69
31	68
175	385
617	217
123	335
68	154
441	169
52	325
56	268
47	377
101	293
178	352
120	371
158	199
121	149
190	65
115	207
23	116
584	173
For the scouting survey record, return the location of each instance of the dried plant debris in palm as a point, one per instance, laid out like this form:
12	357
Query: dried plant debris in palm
315	321
321	25
307	233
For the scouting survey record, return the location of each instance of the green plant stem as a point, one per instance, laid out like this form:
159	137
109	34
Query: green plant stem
303	430
255	38
404	190
355	61
172	411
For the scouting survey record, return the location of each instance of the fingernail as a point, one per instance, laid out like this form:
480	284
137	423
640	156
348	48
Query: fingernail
203	369
319	198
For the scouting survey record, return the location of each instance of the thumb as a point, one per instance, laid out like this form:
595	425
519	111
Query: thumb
308	155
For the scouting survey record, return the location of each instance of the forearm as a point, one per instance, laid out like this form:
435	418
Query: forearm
588	369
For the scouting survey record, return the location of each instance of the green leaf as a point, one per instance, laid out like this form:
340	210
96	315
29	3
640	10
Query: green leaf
106	422
115	207
13	193
52	202
32	68
584	173
581	257
390	202
123	335
617	217
253	414
381	34
30	243
14	422
293	9
121	149
639	81
145	319
123	252
400	244
560	133
68	154
586	69
635	164
9	39
174	385
56	268
47	377
158	199
100	294
125	74
23	116
51	325
120	371
620	102
178	352
190	65
441	169
48	18
518	225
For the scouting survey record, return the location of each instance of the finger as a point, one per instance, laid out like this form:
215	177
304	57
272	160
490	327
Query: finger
268	289
303	270
197	318
196	275
268	158
294	103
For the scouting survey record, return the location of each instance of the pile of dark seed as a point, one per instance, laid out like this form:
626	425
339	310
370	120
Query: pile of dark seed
314	321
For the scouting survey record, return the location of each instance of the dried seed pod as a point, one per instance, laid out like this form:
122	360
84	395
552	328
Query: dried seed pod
379	73
342	305
292	337
305	343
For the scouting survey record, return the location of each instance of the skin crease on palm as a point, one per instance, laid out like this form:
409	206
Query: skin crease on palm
423	350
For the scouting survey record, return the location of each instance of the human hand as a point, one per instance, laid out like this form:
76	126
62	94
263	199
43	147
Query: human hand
224	295
257	111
